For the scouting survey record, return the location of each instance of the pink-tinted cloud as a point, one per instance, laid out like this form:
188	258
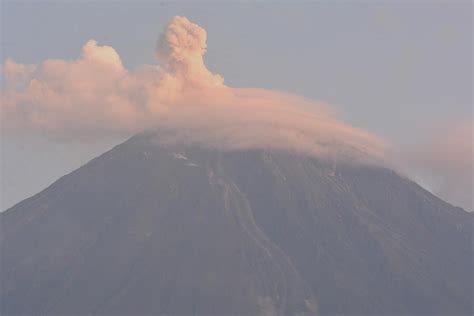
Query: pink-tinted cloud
95	95
444	162
182	47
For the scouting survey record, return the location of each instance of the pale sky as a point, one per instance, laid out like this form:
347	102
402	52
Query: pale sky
394	69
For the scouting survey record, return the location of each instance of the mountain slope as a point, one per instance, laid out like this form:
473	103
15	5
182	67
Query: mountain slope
149	228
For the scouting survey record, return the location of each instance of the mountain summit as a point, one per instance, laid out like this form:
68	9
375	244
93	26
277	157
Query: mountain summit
156	228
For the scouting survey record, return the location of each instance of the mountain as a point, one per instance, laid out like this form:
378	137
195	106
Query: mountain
154	228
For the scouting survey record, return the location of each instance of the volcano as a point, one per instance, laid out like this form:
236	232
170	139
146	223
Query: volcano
156	228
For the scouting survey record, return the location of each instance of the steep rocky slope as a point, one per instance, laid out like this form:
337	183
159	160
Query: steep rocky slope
149	228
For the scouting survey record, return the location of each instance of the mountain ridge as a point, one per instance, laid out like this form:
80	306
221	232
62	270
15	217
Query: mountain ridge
186	229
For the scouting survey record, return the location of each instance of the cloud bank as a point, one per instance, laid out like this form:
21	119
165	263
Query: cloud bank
95	96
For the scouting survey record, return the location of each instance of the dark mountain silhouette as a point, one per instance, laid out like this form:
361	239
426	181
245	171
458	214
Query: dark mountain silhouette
149	228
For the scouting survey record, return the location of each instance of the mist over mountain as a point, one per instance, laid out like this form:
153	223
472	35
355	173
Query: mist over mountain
94	96
235	201
184	228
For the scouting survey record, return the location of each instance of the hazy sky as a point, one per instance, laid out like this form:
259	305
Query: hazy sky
396	70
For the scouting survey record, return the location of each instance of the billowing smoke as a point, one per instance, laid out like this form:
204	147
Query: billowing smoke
95	95
182	49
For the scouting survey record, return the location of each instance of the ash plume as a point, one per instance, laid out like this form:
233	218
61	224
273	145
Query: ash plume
96	96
